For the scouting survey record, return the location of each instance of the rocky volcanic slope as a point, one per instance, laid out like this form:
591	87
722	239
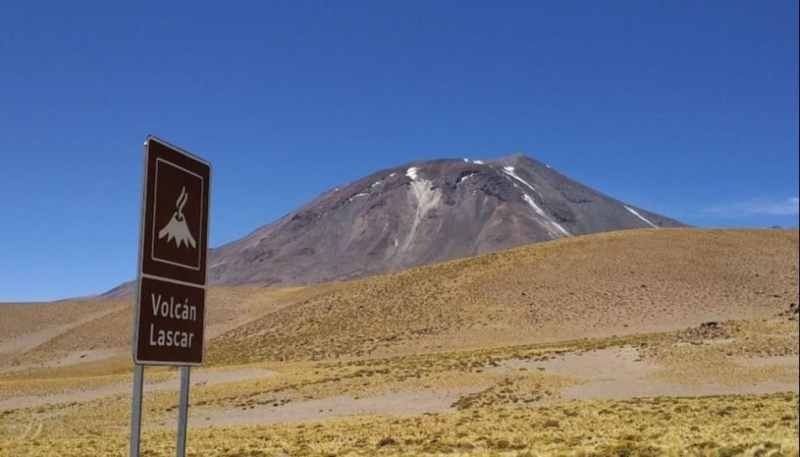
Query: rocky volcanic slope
420	213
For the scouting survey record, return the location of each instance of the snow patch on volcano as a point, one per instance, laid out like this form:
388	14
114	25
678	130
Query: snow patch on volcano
427	199
509	171
547	222
635	213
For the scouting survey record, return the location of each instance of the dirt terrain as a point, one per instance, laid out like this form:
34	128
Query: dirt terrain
651	342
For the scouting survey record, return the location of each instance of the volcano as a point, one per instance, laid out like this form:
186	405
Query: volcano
421	213
176	229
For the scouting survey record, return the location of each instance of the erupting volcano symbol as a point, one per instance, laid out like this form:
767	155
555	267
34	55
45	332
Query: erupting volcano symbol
176	227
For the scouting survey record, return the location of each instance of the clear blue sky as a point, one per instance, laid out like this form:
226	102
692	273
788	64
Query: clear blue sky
688	108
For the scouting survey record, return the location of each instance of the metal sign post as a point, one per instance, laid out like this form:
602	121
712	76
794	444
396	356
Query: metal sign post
136	410
169	323
183	411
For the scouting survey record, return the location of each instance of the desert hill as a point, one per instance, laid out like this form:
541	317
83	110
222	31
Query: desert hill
598	285
613	283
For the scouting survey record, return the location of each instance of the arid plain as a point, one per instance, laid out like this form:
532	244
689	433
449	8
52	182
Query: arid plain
642	342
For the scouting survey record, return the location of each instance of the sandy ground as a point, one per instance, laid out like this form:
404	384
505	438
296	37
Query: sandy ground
608	374
83	395
73	358
758	362
392	403
618	374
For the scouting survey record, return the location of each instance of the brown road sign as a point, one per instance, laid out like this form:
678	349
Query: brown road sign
170	308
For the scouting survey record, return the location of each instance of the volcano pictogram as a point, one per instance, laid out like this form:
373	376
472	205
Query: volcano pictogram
176	229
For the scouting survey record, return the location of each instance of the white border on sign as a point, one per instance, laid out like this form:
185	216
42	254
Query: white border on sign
136	304
153	237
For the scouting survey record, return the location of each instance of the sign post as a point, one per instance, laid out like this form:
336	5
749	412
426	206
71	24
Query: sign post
169	323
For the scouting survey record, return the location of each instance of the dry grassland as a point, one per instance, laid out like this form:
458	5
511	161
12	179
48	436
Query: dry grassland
600	285
533	351
500	410
706	426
